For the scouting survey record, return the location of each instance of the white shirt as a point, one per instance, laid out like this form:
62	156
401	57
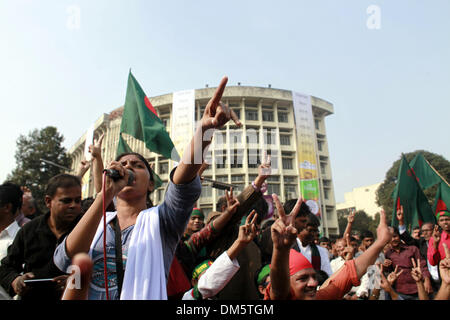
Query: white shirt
6	239
216	277
324	257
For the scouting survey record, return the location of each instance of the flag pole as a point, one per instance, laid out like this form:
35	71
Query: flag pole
437	172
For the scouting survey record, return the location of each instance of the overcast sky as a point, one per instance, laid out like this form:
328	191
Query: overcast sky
384	65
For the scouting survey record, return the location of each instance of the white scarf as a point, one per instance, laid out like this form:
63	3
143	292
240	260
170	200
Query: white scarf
144	277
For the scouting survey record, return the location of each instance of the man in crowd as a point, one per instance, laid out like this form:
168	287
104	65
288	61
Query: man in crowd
10	203
195	223
400	255
436	251
293	276
307	225
31	254
422	244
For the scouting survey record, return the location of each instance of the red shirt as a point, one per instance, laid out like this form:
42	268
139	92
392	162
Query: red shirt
433	255
335	287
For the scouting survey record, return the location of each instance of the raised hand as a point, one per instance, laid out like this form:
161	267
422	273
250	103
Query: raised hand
351	216
96	148
248	231
444	266
348	250
217	113
393	276
384	283
384	235
264	170
400	216
113	187
283	230
436	237
232	202
416	271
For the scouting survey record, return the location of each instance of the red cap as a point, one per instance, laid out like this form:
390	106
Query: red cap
297	262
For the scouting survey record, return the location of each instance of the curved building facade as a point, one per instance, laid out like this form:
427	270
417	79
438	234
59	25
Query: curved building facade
268	124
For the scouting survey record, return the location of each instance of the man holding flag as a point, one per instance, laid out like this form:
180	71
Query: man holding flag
409	194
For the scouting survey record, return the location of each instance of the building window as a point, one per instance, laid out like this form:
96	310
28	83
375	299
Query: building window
320	145
251	115
165	122
237	159
252	135
291	191
220	137
269	136
285	140
282	117
253	158
287	163
222	179
235	137
326	193
238	188
317	123
273	188
160	192
237	178
163	167
288	179
220	159
206	191
323	168
238	112
267	115
273	178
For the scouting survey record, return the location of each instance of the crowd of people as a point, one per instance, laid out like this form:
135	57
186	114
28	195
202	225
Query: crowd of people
121	246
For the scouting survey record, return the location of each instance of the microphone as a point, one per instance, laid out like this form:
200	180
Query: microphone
114	174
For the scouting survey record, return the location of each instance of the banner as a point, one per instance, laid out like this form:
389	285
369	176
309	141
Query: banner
306	151
183	119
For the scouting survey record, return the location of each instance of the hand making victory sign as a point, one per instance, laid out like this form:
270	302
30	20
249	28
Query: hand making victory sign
283	230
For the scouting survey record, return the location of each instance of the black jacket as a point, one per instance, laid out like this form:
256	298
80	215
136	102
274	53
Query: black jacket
32	251
422	244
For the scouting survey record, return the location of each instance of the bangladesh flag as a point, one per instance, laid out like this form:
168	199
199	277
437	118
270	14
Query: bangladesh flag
141	121
426	174
442	199
409	194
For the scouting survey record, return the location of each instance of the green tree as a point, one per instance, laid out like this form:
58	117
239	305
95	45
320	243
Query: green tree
361	222
30	171
384	192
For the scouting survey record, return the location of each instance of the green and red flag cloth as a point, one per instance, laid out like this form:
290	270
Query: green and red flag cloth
442	200
409	194
426	174
141	121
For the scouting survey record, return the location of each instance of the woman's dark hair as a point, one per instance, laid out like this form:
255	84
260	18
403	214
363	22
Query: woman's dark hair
141	157
147	165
